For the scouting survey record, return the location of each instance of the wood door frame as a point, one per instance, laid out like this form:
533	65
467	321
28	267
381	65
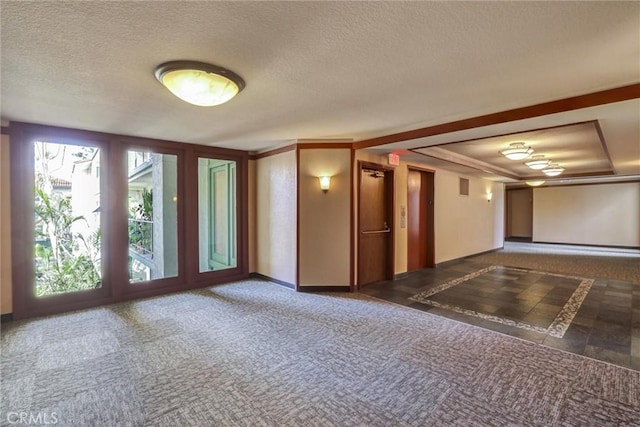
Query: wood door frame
133	288
389	185
22	176
431	225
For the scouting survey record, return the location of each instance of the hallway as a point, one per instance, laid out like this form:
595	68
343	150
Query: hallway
566	297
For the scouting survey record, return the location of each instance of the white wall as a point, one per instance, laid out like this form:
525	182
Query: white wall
603	214
276	216
325	219
467	225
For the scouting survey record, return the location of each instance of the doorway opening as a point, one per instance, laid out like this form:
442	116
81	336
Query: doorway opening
375	223
519	217
420	219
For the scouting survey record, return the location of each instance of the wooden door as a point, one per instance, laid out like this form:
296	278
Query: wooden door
520	214
375	227
420	223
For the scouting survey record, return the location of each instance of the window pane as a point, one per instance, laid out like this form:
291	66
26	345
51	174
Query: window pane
153	215
68	244
217	214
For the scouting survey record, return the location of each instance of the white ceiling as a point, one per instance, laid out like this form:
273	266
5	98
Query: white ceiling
619	122
319	70
582	152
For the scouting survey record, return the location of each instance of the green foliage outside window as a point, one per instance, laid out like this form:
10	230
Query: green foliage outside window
64	261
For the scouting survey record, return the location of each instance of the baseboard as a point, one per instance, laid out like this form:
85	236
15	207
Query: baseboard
518	239
271	279
447	263
589	245
324	289
7	317
453	261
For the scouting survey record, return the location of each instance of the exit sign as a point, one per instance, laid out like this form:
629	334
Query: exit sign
394	159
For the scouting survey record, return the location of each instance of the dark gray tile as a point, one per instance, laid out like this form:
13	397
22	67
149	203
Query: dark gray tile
603	327
609	341
606	355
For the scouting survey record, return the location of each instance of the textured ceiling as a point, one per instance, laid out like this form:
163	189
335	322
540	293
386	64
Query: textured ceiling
314	70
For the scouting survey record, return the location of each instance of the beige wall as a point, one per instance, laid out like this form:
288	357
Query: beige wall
5	229
276	216
467	225
324	218
464	225
604	214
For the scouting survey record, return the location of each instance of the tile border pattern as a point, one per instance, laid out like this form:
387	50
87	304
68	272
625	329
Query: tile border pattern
557	328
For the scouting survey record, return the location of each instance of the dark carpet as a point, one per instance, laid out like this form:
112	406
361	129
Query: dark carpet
257	354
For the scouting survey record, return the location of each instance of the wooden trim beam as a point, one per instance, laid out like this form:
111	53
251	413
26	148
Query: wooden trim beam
273	152
324	145
302	146
609	96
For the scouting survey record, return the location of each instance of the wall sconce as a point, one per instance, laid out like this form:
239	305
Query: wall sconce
489	196
325	183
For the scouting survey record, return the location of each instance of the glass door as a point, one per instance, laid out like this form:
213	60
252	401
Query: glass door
99	218
67	243
152	216
217	214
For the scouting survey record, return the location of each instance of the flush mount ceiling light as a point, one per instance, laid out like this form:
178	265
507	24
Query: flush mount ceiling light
553	169
199	83
538	162
517	151
535	183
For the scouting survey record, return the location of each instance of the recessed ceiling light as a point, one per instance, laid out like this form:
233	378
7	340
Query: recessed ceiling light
538	162
553	169
199	83
517	151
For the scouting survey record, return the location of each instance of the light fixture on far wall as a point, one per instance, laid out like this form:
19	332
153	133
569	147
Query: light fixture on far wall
538	162
325	183
489	196
199	83
535	183
517	151
553	169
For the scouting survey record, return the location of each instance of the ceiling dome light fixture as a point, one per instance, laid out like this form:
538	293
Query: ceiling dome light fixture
535	183
199	83
538	162
517	151
553	169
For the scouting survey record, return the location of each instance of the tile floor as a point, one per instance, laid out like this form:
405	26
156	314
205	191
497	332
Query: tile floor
594	317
